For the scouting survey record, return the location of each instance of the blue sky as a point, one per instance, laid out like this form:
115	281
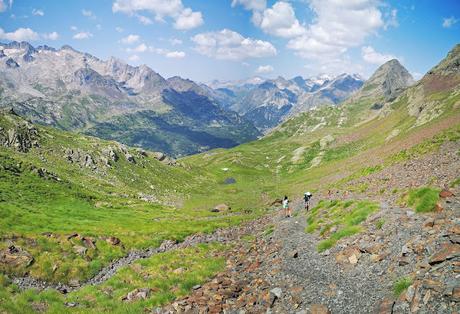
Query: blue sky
233	39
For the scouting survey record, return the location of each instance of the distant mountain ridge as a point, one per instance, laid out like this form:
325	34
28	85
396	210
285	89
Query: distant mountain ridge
113	100
267	102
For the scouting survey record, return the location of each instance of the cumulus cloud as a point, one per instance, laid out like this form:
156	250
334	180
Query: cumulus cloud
51	36
73	28
371	56
449	22
338	26
280	20
119	29
263	69
38	12
188	19
230	45
253	5
130	39
144	20
82	35
175	54
184	18
141	48
21	34
88	14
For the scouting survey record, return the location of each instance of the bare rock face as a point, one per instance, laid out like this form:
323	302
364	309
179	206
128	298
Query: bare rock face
21	135
389	80
15	257
79	157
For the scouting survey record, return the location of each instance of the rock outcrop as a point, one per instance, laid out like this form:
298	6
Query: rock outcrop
18	134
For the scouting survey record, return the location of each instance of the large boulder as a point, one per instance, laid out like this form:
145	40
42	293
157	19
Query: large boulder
15	257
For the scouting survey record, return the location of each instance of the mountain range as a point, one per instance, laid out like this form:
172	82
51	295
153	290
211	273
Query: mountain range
113	100
267	102
136	106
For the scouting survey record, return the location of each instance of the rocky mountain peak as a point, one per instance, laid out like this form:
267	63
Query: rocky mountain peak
68	47
389	80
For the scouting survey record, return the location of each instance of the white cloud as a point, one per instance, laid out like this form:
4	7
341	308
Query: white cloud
392	19
130	39
144	20
21	34
133	58
140	48
449	22
280	20
188	20
230	45
160	51
371	56
338	26
38	12
184	18
263	69
82	35
175	54
252	5
175	41
119	29
73	28
51	36
88	14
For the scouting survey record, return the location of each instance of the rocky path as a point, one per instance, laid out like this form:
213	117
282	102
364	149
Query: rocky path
283	273
313	281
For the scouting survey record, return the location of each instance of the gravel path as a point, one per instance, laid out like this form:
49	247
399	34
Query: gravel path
319	278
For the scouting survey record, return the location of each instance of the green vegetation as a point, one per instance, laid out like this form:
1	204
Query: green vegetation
269	230
401	285
423	199
379	223
455	183
344	216
168	276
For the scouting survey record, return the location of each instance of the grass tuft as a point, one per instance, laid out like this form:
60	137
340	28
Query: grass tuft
401	285
423	199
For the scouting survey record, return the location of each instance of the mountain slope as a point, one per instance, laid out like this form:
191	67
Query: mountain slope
113	100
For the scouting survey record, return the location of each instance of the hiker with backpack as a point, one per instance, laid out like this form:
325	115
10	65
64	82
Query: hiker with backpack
287	209
306	198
